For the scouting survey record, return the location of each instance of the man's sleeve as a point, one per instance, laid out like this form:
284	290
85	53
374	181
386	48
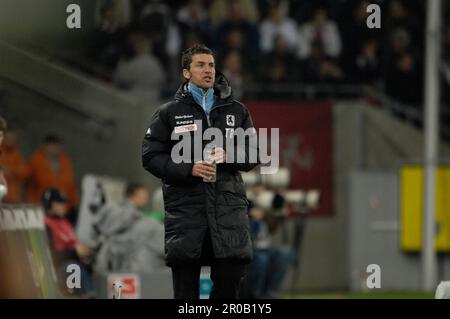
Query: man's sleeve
156	152
246	153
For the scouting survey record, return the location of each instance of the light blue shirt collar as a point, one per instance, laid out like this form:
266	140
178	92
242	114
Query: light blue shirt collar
205	99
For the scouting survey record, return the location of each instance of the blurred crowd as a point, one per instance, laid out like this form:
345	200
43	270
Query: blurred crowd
128	236
137	44
48	166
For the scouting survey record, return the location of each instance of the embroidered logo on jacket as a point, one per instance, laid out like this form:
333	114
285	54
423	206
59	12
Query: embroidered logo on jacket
230	120
185	128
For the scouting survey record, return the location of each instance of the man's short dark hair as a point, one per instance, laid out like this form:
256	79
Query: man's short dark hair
3	125
52	139
186	58
132	188
52	195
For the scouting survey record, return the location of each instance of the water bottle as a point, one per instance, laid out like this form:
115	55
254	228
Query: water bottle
208	150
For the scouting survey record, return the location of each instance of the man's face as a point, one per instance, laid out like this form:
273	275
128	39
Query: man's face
10	138
202	71
59	209
140	198
320	18
53	149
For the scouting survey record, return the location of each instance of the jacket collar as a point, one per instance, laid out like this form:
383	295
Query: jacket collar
222	90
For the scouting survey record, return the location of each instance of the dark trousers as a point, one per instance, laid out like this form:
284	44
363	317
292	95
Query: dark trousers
226	276
267	271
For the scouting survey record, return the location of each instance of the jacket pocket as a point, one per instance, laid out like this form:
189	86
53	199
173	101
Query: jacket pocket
175	195
230	193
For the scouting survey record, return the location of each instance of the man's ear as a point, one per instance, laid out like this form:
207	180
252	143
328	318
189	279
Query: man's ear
186	74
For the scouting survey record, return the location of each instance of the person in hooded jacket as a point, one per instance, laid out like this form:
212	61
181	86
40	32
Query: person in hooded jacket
65	247
206	223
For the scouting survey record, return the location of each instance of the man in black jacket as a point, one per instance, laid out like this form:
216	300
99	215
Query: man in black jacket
206	223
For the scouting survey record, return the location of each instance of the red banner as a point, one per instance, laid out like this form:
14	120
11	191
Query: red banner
306	145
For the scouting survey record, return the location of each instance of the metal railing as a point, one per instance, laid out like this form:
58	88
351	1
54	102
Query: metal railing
412	114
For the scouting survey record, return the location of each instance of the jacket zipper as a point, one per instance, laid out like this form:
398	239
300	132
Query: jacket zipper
213	108
204	108
208	120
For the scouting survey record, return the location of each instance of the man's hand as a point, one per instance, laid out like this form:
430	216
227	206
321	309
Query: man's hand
83	250
256	213
218	155
203	169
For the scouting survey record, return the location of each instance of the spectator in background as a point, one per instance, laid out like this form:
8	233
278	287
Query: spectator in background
357	37
238	20
218	11
404	79
154	20
399	43
232	69
194	18
357	26
112	18
14	168
319	68
404	38
367	65
157	205
128	241
278	24
301	11
270	262
319	30
191	39
119	14
281	64
142	75
65	247
157	24
3	184
400	17
49	167
235	41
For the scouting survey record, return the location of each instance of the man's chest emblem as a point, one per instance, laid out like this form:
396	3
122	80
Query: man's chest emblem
230	120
